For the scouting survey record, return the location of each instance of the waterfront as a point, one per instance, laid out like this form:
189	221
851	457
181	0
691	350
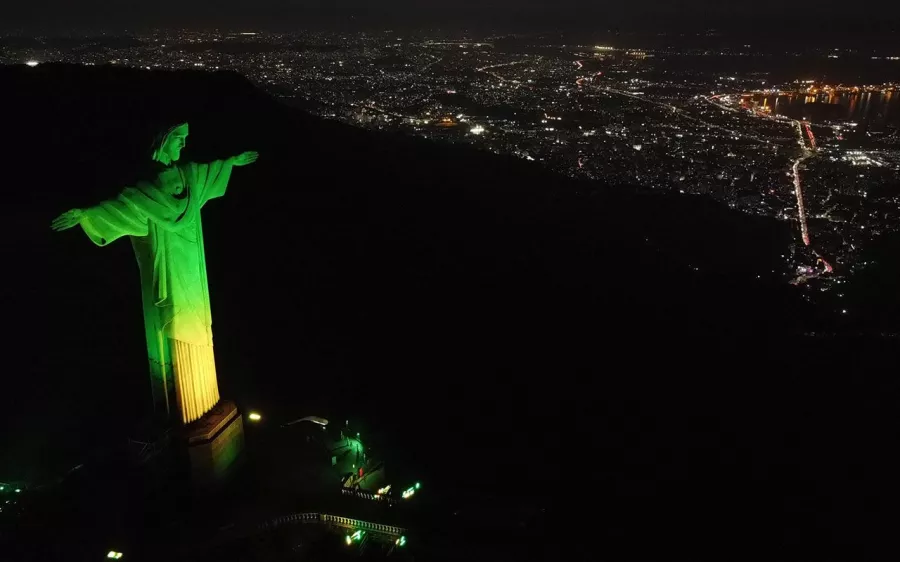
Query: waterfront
877	109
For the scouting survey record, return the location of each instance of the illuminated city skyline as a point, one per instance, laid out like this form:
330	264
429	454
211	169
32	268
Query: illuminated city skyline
767	142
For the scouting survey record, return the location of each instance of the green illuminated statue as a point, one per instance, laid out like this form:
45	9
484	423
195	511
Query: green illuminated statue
162	217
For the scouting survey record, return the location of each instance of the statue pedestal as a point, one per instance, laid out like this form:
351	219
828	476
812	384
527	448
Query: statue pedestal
215	442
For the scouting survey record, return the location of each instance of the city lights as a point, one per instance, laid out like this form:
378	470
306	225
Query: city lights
597	113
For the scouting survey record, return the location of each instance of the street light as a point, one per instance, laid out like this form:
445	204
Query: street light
254	417
113	555
357	536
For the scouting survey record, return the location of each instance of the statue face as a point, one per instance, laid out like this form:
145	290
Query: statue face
173	146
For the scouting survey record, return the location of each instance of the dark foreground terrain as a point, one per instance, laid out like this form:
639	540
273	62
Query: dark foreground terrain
632	365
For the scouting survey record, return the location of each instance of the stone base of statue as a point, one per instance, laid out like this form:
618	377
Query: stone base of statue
214	443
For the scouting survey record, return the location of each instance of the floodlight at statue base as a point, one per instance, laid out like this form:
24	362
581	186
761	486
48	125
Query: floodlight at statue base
215	442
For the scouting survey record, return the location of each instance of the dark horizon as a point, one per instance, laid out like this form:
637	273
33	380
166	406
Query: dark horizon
502	16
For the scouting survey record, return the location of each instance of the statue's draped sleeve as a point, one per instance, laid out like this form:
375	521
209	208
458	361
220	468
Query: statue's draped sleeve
211	179
128	214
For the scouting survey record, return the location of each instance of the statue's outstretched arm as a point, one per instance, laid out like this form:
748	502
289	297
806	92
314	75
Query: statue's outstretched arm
127	214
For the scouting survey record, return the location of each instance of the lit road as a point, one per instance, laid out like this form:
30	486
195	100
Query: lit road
812	138
432	63
487	70
681	113
801	210
798	191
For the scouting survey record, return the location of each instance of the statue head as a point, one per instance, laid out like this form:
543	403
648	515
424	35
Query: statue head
167	148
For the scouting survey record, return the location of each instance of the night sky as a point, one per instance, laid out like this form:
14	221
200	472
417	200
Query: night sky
506	15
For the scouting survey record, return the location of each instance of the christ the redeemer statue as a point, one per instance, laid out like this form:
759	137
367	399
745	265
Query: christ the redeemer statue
162	217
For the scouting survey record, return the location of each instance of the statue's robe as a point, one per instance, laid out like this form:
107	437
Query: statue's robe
162	217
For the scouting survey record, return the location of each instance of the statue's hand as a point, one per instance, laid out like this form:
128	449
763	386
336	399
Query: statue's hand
67	220
245	158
